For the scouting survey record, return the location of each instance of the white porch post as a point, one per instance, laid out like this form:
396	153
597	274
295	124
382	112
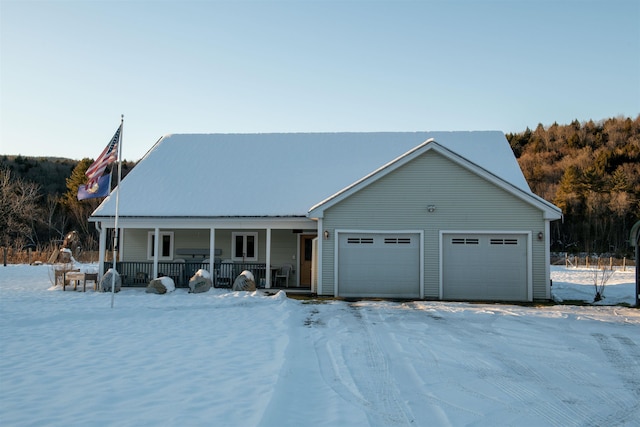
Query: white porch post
267	267
212	251
102	249
156	245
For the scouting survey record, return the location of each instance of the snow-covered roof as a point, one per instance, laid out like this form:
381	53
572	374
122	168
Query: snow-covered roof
222	175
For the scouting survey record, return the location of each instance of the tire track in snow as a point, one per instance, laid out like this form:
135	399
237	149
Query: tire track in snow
512	377
401	332
486	371
562	406
514	383
627	367
376	383
560	410
445	408
369	386
435	370
354	362
631	347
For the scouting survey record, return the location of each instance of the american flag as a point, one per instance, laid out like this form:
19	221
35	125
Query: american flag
108	156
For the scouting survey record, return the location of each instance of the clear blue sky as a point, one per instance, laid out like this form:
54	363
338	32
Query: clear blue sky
69	69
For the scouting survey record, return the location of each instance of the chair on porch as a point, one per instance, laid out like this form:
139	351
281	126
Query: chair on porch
141	278
175	270
283	274
225	274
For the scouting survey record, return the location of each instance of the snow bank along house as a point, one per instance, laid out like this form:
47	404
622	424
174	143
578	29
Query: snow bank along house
434	215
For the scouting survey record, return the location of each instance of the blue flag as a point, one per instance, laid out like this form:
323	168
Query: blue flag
101	188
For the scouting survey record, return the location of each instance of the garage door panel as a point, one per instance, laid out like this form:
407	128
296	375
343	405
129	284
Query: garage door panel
379	265
485	267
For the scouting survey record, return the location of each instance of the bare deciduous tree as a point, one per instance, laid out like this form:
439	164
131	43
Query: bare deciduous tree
600	276
18	209
56	218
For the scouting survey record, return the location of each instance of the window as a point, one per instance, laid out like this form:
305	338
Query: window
397	240
308	248
244	246
504	241
461	241
359	240
165	245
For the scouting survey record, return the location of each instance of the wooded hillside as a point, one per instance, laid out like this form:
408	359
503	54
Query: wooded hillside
591	171
38	203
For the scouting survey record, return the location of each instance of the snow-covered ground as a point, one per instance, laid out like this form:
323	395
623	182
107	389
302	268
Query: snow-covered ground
246	359
577	284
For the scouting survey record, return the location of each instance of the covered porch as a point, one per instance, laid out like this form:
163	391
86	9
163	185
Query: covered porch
278	251
139	273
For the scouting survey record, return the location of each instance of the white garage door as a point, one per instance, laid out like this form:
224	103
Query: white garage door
484	267
379	265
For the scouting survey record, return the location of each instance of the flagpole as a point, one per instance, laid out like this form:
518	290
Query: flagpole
116	229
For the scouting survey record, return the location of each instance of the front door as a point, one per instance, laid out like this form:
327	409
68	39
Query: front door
306	255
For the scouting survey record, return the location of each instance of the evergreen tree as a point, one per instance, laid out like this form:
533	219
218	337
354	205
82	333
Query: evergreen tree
619	181
79	210
570	193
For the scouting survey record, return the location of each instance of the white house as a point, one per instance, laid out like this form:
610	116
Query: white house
435	215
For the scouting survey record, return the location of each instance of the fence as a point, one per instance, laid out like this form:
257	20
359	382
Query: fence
590	261
32	256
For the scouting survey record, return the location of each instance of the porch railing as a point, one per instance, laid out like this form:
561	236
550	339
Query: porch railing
139	273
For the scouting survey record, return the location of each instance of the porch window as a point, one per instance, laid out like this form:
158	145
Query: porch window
165	247
244	246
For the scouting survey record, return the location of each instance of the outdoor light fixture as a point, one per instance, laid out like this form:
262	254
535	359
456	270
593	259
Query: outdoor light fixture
326	234
431	208
540	235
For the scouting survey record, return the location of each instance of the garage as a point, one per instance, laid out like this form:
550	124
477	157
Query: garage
488	267
379	265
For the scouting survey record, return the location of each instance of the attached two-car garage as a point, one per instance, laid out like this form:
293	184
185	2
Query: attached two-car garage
451	219
473	266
